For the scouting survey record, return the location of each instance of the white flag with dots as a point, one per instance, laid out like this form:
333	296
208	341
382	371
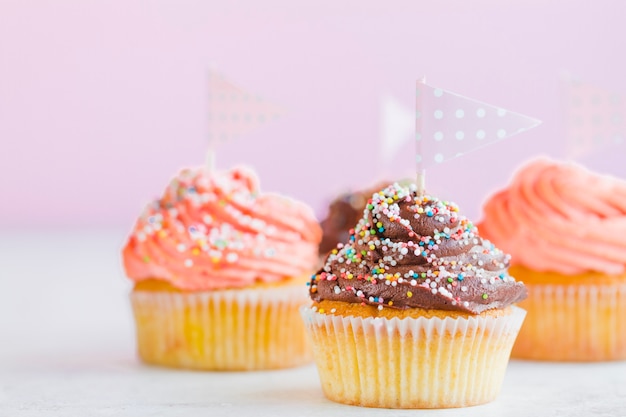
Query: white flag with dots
449	125
595	118
234	112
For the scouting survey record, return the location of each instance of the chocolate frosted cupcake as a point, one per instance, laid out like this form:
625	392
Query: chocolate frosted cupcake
343	213
414	310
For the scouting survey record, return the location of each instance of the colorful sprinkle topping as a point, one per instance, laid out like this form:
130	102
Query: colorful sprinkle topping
423	249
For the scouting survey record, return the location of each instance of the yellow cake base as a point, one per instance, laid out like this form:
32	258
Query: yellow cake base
425	359
244	329
572	318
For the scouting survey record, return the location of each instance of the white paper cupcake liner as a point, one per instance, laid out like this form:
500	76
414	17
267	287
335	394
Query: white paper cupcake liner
243	329
573	323
412	362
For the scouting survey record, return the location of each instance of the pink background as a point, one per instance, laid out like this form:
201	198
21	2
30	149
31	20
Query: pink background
101	102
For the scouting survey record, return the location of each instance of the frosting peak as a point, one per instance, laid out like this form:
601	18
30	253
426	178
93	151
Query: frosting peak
214	231
413	251
560	217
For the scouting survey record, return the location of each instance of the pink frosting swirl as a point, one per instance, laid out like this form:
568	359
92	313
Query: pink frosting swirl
560	217
218	231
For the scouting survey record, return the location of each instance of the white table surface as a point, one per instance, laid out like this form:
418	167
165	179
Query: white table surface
67	349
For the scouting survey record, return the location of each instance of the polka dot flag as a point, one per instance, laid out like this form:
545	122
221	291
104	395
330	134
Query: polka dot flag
449	125
233	112
595	118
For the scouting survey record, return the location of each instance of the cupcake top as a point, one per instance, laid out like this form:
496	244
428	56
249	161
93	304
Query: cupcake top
411	251
560	217
217	231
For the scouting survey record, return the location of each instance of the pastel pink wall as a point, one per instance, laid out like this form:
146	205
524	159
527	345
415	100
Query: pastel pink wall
102	101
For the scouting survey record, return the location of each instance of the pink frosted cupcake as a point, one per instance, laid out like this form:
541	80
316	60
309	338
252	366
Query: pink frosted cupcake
219	271
565	228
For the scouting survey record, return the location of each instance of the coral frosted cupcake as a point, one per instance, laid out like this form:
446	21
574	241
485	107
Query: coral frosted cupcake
219	271
565	228
414	310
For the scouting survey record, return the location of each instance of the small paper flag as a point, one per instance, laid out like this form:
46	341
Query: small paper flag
397	127
234	112
595	118
449	125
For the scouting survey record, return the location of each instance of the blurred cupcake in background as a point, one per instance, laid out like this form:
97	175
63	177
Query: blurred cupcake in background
343	213
219	270
565	228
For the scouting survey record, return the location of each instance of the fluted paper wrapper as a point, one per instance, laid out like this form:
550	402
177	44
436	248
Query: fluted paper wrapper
573	323
412	362
246	329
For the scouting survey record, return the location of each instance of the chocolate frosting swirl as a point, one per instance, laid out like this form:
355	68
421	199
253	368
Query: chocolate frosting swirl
411	251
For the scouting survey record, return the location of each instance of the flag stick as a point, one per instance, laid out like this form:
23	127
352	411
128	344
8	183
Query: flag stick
421	182
209	162
421	171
